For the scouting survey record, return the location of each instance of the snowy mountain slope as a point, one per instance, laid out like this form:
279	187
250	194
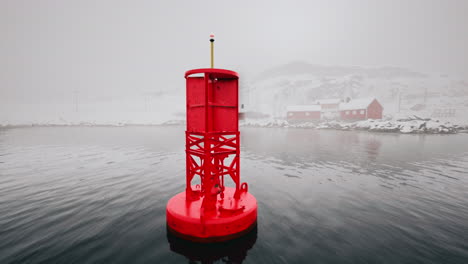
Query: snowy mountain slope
399	90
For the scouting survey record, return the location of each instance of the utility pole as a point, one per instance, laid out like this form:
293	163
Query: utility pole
75	92
399	101
147	101
425	96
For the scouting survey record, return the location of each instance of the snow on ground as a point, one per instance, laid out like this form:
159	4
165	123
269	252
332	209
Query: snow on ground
128	111
408	125
401	92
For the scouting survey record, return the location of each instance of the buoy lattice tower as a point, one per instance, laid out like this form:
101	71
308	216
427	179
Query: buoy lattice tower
211	211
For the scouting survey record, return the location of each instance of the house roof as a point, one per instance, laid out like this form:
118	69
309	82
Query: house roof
303	108
328	101
355	104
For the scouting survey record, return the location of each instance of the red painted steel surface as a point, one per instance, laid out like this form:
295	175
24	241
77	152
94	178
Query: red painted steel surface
211	211
187	219
216	73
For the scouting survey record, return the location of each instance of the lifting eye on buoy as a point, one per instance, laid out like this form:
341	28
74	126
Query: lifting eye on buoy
245	187
211	211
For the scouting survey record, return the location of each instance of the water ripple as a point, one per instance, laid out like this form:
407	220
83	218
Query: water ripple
98	195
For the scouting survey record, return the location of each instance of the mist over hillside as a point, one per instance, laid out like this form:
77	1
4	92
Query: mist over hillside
301	67
399	90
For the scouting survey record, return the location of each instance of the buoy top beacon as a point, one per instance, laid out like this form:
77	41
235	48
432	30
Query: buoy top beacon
209	210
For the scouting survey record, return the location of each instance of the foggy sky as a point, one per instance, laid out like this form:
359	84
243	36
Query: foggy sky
51	49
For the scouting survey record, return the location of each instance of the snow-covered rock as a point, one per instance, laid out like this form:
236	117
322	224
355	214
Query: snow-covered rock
407	126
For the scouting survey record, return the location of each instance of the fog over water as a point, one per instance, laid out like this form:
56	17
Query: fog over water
92	107
123	61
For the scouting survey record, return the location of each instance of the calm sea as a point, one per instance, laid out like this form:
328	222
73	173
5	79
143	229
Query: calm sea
98	195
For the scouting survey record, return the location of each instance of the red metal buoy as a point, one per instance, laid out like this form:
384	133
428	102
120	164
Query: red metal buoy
211	211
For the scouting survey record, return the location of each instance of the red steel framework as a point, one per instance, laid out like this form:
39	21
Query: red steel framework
210	211
212	143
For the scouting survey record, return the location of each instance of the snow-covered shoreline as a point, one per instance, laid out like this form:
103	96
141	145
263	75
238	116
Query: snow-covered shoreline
410	125
93	124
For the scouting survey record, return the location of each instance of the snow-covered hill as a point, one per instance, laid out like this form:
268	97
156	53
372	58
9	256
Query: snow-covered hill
399	90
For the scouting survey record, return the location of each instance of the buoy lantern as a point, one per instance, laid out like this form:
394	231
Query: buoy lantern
210	211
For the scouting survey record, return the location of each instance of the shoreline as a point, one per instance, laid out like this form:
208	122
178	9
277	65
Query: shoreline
400	126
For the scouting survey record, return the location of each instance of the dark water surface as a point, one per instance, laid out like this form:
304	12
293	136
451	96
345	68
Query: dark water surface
98	195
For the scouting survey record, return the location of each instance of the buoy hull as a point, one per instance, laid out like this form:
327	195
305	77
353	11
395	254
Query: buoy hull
231	218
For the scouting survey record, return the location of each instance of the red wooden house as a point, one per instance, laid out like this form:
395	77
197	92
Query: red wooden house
361	109
329	104
303	113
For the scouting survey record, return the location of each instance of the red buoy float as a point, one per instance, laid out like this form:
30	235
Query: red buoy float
210	211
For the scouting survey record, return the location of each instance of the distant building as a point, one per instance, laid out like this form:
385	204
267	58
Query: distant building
361	109
303	113
329	104
336	109
329	108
